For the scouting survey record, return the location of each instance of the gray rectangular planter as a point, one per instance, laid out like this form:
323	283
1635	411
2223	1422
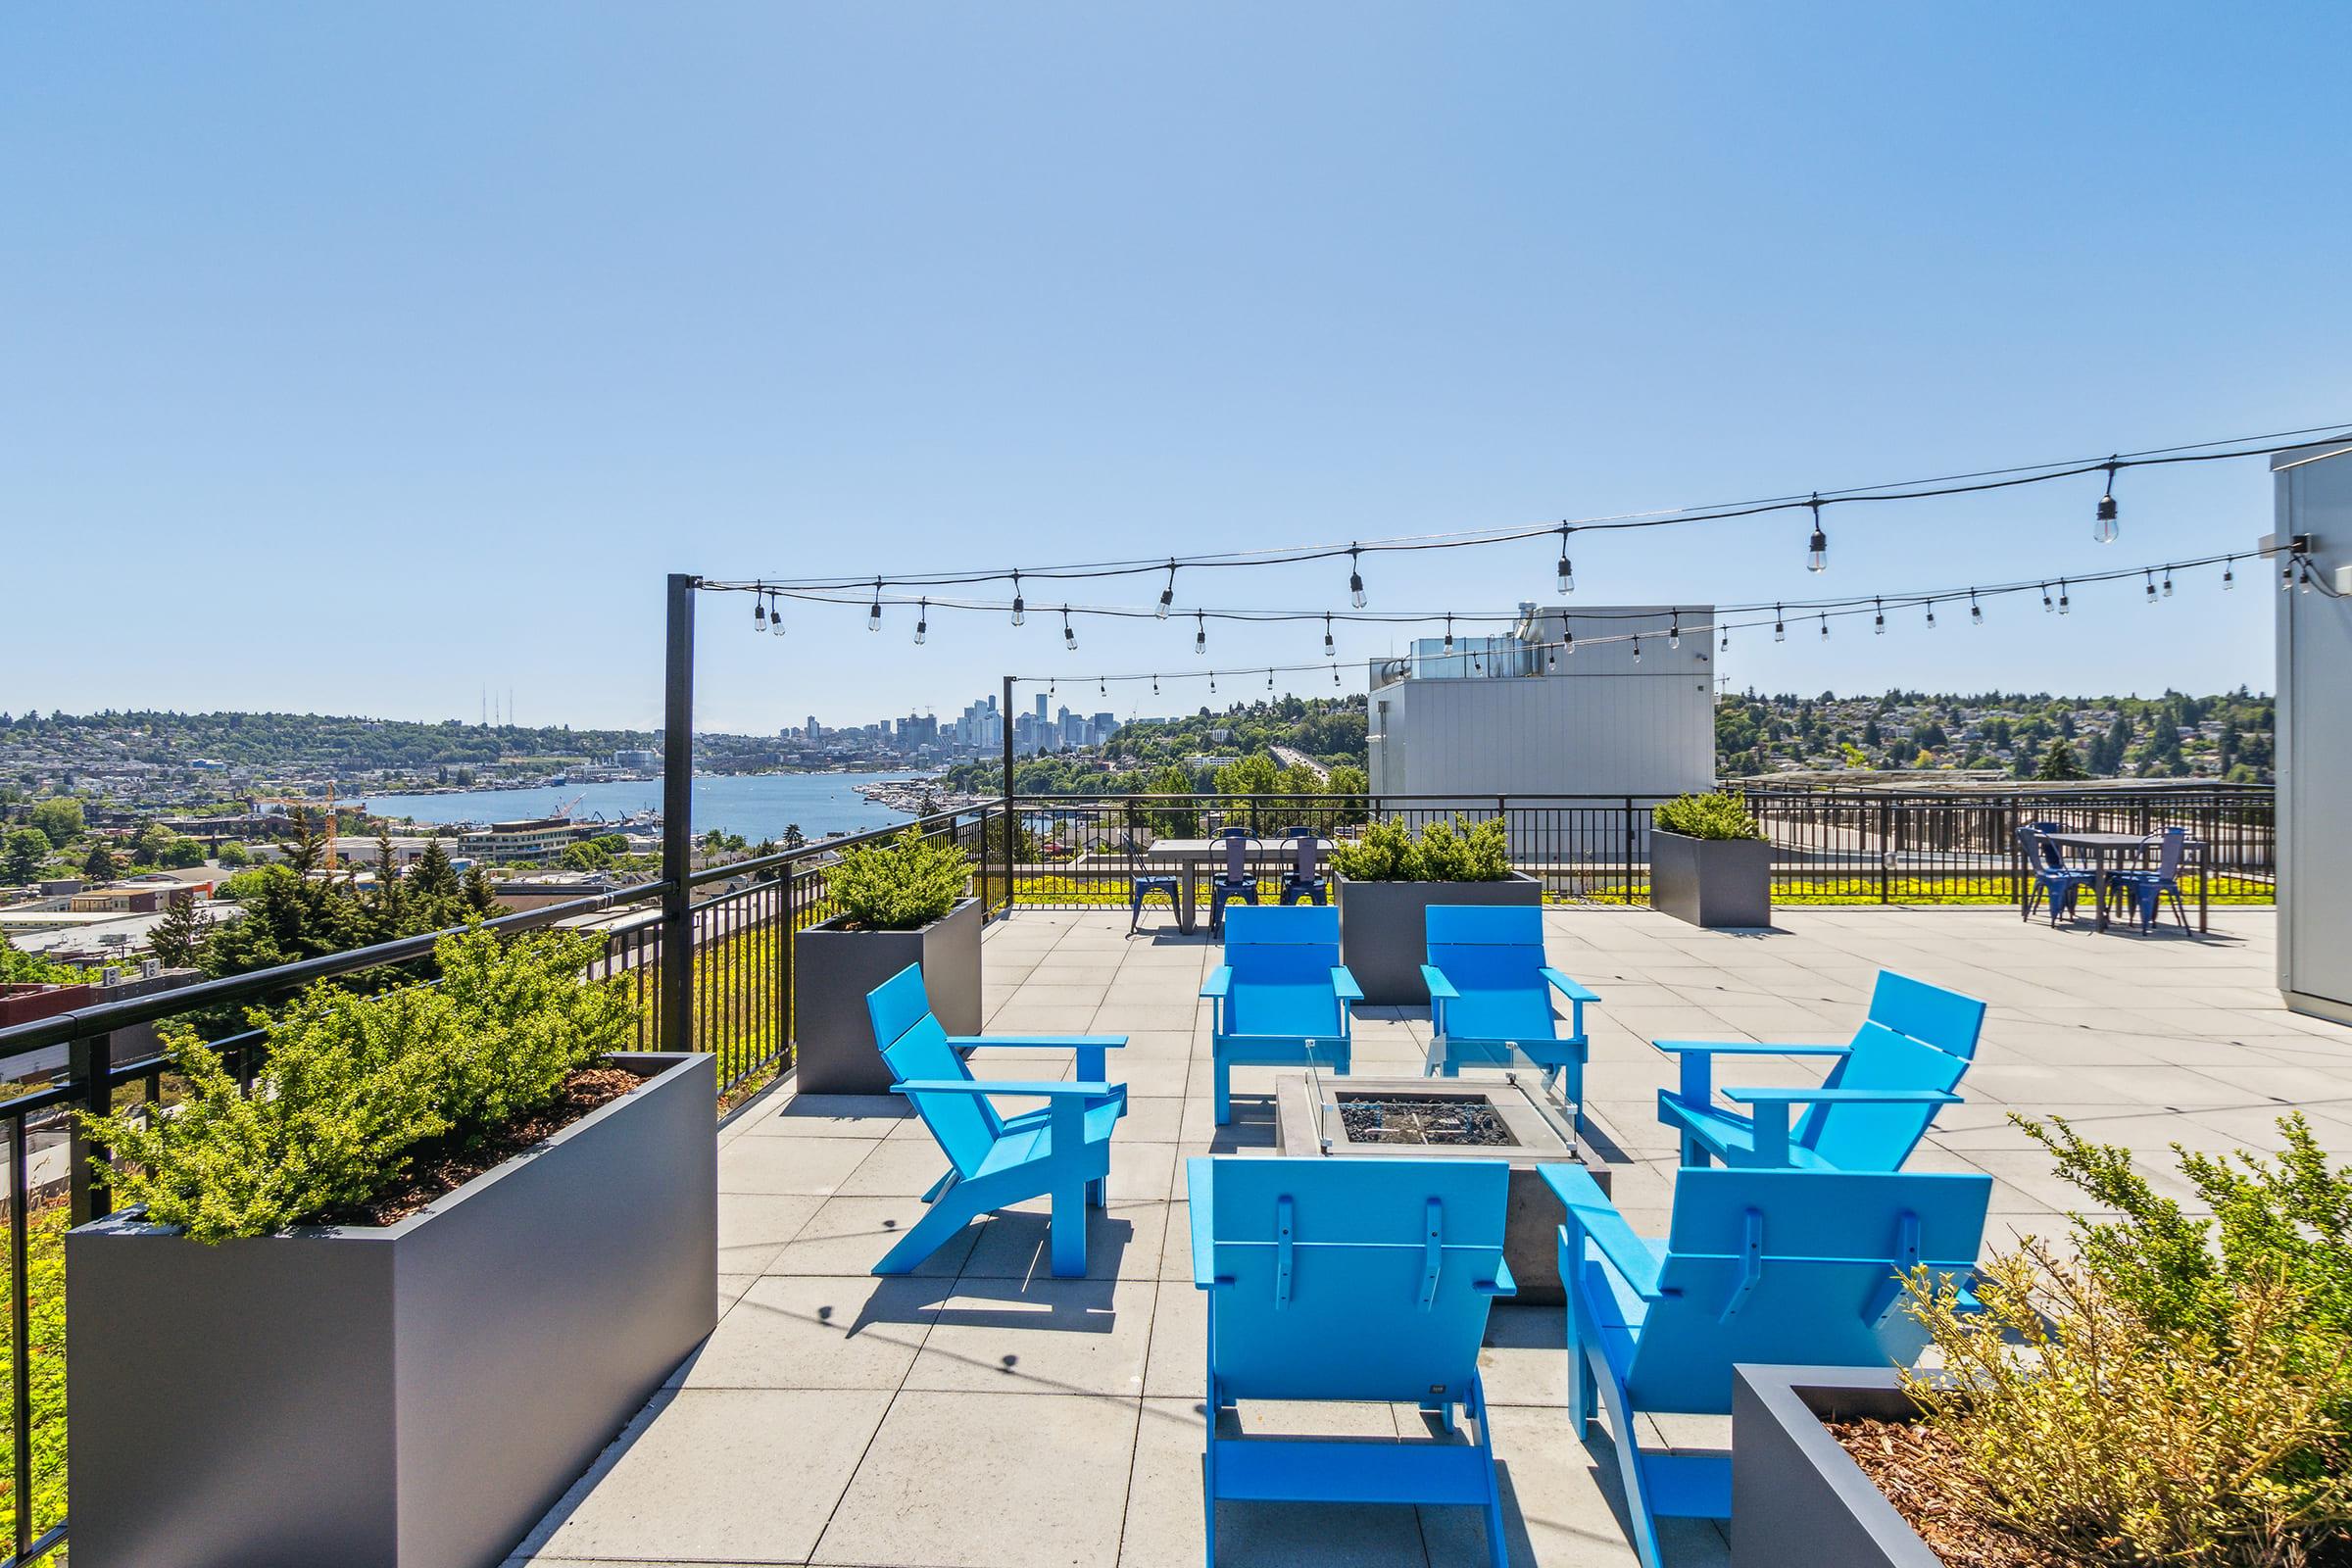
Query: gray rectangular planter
1384	935
409	1396
1796	1494
832	970
1711	882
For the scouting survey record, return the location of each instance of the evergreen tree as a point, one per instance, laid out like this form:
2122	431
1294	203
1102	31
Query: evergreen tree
27	853
99	865
433	876
177	939
2060	765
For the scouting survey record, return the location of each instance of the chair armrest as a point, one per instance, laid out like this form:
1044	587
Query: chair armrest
1219	983
1199	1186
1568	988
1441	989
989	1086
1772	1107
1698	1059
1502	1284
1037	1041
1343	986
1595	1218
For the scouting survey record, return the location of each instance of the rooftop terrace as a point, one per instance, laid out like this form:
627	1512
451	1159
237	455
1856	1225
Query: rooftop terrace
984	1412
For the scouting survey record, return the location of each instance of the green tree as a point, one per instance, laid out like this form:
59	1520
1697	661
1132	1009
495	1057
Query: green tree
31	969
2059	763
177	939
1350	788
232	854
60	817
181	854
27	851
433	876
99	864
148	847
588	855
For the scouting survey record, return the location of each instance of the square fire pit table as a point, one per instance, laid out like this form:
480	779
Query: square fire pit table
1504	1113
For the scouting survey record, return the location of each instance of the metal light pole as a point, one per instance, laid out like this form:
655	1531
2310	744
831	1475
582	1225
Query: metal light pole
677	819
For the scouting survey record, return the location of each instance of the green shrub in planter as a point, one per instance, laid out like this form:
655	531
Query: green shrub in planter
1706	817
1445	852
900	885
350	1086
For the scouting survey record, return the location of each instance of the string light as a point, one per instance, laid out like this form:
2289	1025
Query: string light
775	616
1780	633
873	617
2065	608
2303	573
2286	575
1070	637
1674	630
1878	624
1567	573
1020	609
758	612
2047	606
1637	650
1726	646
2168	582
1199	633
2229	579
1825	627
1155	685
1269	680
1930	614
1976	611
1212	682
923	622
1450	634
1335	675
2151	579
1329	649
1356	577
2103	527
1817	550
1168	595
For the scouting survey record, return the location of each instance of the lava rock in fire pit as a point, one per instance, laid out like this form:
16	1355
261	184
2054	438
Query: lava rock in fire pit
1423	1119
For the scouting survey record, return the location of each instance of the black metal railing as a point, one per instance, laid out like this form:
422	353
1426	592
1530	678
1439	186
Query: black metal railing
736	923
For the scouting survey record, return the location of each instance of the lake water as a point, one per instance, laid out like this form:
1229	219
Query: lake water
757	806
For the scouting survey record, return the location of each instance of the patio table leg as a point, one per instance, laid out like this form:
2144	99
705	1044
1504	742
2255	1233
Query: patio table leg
2204	890
1184	901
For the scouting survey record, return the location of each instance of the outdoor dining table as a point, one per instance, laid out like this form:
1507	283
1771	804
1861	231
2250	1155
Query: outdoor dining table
2107	851
1189	856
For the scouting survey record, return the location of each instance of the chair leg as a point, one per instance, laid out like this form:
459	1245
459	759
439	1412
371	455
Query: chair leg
1639	1518
1498	1553
1223	1091
1069	1231
928	1235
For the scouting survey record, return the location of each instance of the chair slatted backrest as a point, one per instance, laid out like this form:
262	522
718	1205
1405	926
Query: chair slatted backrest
1917	1036
1237	855
2039	855
2170	851
1495	958
1282	959
965	1126
1351	1277
1796	1267
2051	855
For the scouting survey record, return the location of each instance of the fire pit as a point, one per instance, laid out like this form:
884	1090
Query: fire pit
1503	1116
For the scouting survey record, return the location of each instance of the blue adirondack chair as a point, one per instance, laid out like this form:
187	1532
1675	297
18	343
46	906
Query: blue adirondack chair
1356	1280
1777	1267
1280	997
1489	991
1868	1114
1062	1151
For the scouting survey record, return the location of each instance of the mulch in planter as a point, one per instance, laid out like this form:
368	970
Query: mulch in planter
1908	1461
441	1166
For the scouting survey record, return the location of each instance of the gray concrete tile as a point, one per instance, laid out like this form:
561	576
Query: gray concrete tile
850	1235
815	1166
815	1332
1041	1336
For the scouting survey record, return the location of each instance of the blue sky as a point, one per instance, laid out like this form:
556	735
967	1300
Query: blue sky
362	356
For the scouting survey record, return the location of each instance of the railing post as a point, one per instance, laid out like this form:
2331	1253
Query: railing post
89	1069
1633	844
677	819
1886	842
1012	816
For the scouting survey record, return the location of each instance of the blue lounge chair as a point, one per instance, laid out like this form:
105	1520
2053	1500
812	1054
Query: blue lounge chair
2048	875
1237	882
1062	1151
1281	997
1777	1267
1489	991
1868	1114
1356	1280
1304	879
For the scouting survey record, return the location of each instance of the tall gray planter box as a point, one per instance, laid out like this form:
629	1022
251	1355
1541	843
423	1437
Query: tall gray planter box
1384	934
1711	882
832	970
1796	1494
410	1396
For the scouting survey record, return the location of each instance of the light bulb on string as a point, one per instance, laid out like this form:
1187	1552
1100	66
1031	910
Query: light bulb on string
2286	575
1726	645
1976	611
1930	614
922	620
2168	582
2047	606
1021	608
1155	685
1674	630
1824	626
1070	637
2229	577
1269	680
1780	633
1102	687
1329	649
1168	595
1213	683
2150	577
775	616
1450	634
760	609
2065	606
873	617
1199	633
1817	549
1637	650
1356	577
2103	527
1878	624
1335	675
1567	573
2303	575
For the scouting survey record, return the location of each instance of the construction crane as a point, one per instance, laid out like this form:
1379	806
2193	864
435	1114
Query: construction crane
566	809
305	804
